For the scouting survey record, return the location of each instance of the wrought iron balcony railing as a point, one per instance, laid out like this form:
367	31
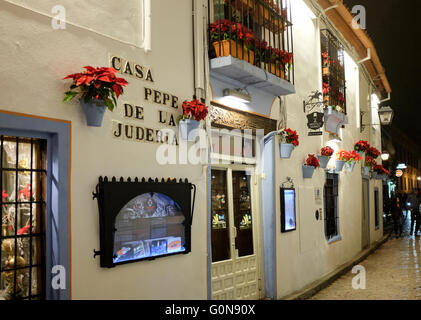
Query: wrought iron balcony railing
256	31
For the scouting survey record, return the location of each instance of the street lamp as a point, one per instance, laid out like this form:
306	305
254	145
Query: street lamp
386	115
385	156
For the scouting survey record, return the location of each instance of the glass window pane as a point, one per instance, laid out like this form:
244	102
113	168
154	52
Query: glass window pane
220	220
242	213
20	250
151	224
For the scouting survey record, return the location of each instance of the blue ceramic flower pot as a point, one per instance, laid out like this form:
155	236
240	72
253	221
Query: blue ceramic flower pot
351	166
188	129
308	171
285	150
324	160
94	112
340	165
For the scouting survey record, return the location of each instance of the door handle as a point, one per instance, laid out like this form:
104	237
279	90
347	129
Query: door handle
234	232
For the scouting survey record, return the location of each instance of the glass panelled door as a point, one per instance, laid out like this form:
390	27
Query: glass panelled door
233	234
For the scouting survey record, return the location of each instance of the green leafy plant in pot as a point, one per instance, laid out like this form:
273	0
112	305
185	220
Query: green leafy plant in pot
98	89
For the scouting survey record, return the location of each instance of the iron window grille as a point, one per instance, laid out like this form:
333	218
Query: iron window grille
331	205
23	177
333	71
267	30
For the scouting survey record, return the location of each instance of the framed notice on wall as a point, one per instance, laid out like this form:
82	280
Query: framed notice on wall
288	217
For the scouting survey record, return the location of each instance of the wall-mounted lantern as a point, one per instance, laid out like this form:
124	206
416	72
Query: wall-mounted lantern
385	114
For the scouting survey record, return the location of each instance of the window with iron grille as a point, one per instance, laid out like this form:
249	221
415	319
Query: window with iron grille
333	71
256	31
23	178
331	206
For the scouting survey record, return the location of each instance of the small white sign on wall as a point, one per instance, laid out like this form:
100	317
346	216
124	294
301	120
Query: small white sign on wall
318	195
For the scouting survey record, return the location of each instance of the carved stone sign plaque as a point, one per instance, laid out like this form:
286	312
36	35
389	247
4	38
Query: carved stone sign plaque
225	117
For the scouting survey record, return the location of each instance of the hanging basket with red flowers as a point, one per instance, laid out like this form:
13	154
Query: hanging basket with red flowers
311	164
289	140
325	155
194	111
99	88
361	147
373	152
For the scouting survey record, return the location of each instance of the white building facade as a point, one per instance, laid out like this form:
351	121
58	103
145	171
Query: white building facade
163	51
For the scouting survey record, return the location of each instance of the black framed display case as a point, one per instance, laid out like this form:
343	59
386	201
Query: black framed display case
143	220
288	210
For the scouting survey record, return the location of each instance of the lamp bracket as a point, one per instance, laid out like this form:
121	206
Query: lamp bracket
290	181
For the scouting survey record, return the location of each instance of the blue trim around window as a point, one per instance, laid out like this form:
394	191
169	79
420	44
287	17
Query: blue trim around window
57	133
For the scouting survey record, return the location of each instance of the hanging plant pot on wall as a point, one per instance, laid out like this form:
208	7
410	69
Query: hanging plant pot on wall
366	171
94	112
285	150
99	89
188	129
289	140
308	171
350	166
193	112
324	160
311	164
340	165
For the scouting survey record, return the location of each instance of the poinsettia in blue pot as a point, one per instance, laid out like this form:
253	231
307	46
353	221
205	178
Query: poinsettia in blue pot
99	89
311	164
194	111
289	140
324	158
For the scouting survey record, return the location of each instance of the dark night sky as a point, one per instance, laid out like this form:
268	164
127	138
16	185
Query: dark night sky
395	28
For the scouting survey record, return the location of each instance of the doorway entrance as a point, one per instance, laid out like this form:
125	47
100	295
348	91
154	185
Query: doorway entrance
365	215
236	270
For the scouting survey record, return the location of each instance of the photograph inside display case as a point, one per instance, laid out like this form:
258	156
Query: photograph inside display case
143	220
149	225
23	190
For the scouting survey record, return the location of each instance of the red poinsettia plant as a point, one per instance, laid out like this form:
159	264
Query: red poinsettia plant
373	152
379	169
361	146
96	84
312	161
194	110
348	156
369	162
290	136
327	151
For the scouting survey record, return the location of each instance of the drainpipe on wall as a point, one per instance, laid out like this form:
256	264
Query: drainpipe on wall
198	45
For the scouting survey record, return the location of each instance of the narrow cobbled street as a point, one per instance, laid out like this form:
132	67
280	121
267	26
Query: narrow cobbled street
392	273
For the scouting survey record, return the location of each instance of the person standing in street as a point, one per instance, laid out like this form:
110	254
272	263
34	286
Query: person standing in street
397	215
413	205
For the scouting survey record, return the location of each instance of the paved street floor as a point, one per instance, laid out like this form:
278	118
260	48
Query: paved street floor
392	273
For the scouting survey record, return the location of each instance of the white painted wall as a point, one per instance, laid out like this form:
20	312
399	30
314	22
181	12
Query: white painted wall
304	256
34	60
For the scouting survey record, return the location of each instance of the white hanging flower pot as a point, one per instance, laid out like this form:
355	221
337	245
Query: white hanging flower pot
285	150
188	129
